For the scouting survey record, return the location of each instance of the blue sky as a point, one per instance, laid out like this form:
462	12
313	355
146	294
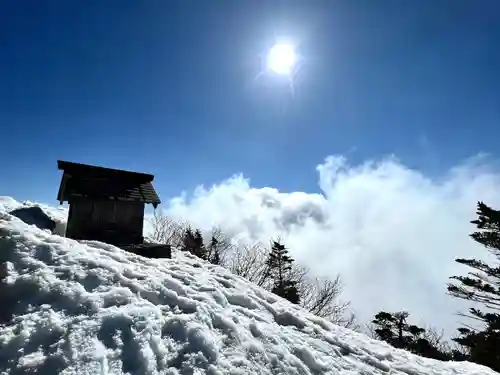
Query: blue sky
168	87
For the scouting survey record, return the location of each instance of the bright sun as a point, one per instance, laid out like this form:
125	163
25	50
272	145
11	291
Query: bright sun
281	59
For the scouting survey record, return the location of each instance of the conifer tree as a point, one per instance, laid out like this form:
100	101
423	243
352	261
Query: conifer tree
193	243
394	329
279	267
482	285
188	241
214	255
199	247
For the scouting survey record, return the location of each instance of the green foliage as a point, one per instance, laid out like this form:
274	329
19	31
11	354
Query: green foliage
287	290
482	285
199	246
219	247
279	268
394	329
214	251
193	243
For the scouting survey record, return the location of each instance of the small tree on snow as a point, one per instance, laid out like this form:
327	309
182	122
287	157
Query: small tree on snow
193	243
394	329
199	246
279	267
218	248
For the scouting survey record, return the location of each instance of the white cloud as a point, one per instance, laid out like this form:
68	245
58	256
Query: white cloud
391	232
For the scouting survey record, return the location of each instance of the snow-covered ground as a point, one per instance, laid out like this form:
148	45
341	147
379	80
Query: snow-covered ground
89	308
58	214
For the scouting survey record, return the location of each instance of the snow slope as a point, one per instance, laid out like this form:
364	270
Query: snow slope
90	308
58	214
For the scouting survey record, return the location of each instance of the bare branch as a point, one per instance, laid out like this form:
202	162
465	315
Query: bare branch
250	262
220	247
369	330
320	296
166	230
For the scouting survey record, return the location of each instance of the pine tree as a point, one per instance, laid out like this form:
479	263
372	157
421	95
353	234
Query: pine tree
394	329
482	285
193	243
188	241
199	247
214	255
279	267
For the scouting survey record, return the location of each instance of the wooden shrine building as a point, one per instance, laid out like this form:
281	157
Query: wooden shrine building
105	204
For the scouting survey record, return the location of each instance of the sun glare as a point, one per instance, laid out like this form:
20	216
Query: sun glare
281	59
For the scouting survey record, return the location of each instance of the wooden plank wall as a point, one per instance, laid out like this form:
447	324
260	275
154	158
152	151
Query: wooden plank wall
111	221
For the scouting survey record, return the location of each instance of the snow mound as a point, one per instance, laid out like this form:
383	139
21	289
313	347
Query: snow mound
89	308
8	204
34	216
33	213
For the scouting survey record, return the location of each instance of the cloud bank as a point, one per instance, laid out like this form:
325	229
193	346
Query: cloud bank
391	232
